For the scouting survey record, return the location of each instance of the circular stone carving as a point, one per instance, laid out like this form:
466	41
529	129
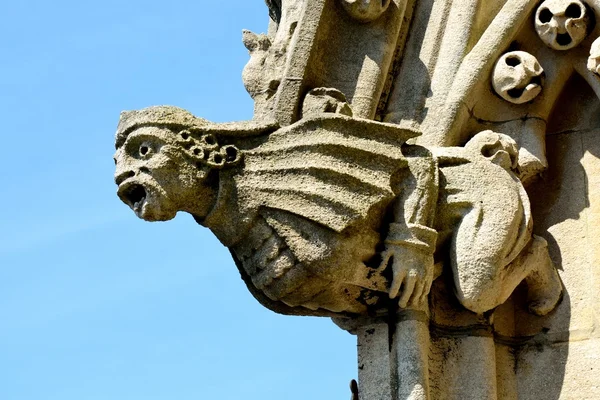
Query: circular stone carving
365	10
517	77
563	24
593	63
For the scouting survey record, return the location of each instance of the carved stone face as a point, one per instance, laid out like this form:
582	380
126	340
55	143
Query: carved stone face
500	149
155	178
365	10
562	24
517	77
594	59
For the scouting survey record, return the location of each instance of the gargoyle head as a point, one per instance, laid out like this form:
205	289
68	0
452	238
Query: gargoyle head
563	24
166	161
500	149
518	77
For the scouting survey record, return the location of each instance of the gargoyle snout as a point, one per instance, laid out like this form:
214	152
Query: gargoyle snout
121	176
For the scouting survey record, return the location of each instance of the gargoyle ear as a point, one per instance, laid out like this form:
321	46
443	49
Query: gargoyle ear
254	42
250	40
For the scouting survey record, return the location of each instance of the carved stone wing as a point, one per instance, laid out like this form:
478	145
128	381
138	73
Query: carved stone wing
332	170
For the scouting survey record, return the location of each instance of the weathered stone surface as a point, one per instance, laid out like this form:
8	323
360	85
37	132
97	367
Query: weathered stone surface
452	357
374	372
417	233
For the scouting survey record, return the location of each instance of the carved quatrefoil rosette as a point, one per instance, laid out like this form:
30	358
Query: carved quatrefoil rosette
563	24
518	77
365	10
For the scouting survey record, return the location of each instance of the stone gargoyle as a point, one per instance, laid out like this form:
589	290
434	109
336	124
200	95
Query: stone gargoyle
335	215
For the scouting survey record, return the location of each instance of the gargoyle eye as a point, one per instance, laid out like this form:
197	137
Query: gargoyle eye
573	11
145	150
545	16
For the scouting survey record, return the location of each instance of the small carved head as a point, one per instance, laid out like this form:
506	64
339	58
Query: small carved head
500	149
164	160
593	63
563	24
518	77
325	100
365	10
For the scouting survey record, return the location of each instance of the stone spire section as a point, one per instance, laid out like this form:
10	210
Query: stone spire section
420	171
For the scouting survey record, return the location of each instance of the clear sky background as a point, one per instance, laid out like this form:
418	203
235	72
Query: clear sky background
94	303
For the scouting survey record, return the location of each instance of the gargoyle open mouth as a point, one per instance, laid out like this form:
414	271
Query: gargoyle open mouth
563	39
135	196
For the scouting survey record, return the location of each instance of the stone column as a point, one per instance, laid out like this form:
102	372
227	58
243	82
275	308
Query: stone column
393	356
374	361
409	359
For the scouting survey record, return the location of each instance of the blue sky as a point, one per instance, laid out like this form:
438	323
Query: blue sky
94	303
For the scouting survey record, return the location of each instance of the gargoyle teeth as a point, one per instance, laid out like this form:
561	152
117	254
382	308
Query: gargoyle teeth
138	207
